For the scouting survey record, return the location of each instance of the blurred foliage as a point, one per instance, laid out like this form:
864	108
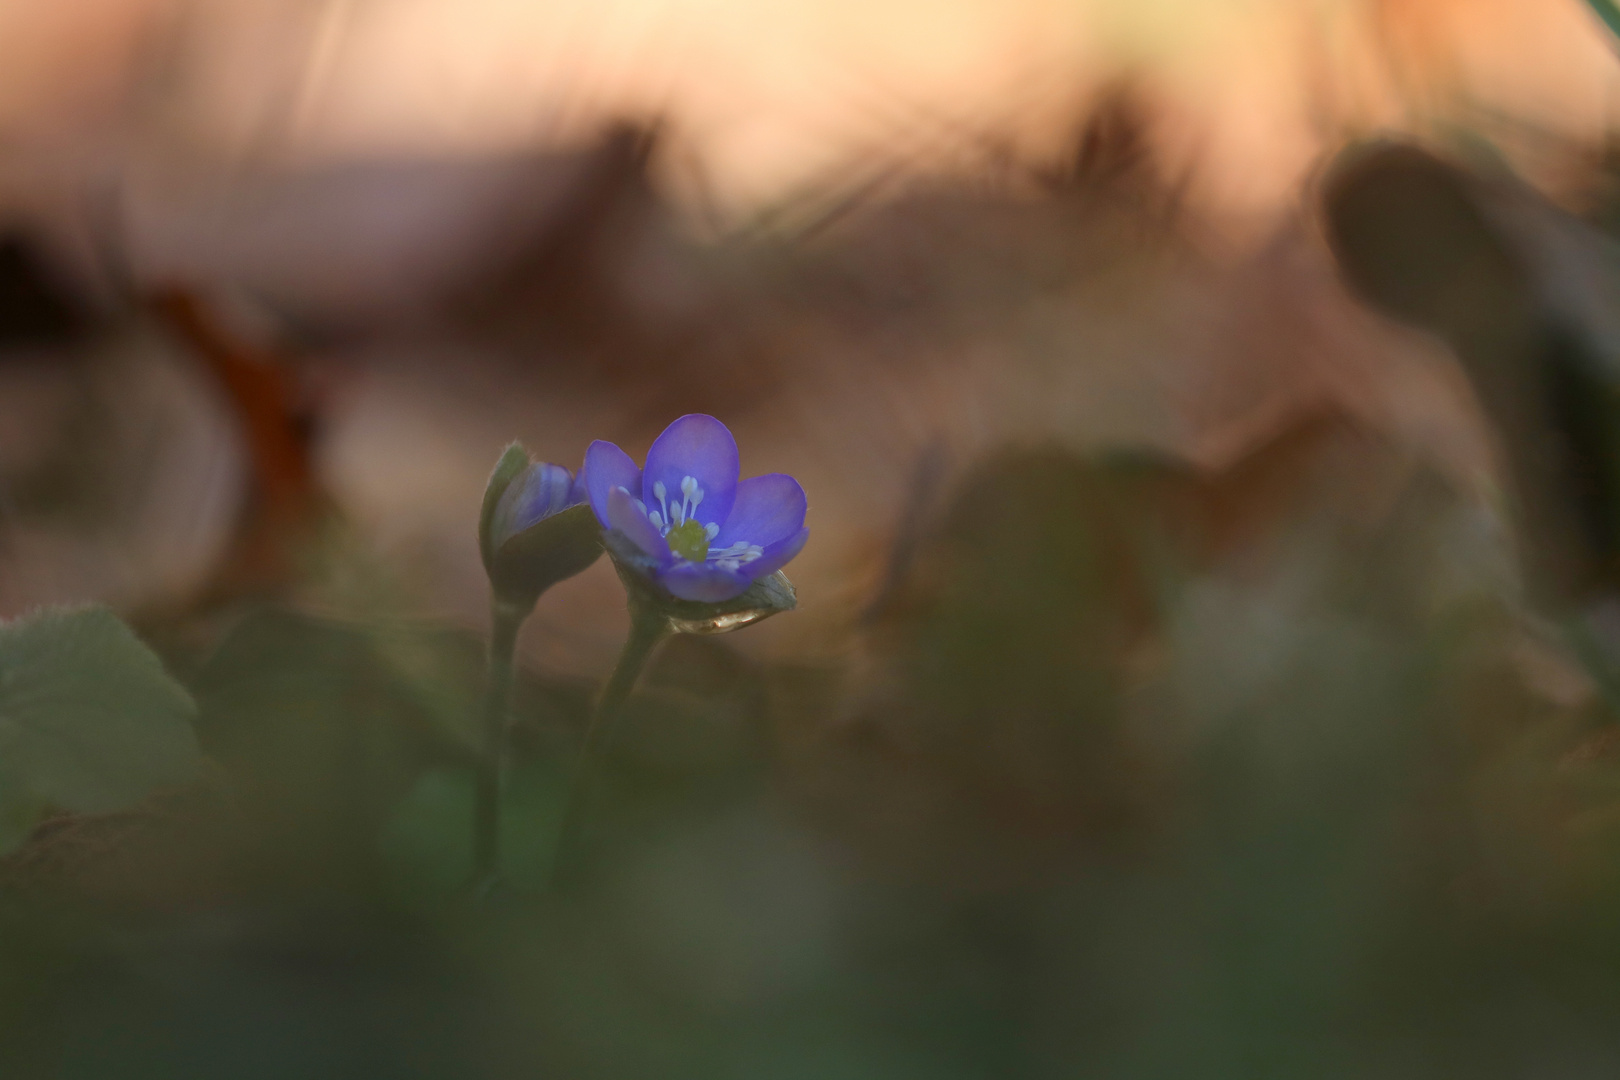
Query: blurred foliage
1606	11
1102	791
89	721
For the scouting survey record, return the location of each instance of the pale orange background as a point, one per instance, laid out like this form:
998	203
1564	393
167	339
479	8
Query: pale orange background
767	95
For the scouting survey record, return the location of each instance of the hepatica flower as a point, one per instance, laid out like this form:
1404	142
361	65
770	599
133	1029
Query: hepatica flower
535	529
695	530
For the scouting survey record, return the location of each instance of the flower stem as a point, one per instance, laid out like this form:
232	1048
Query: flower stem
647	629
505	619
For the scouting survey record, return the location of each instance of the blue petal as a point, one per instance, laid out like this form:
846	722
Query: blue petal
767	509
606	468
711	584
698	446
704	582
537	492
776	556
624	515
545	491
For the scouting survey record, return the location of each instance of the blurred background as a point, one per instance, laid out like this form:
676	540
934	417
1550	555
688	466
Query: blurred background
1205	654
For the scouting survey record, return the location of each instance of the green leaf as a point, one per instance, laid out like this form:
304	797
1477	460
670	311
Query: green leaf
89	720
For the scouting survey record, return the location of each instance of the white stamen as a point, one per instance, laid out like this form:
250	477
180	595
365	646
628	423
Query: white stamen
659	492
656	519
691	495
739	553
712	530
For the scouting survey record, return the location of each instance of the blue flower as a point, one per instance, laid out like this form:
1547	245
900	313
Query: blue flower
535	529
706	536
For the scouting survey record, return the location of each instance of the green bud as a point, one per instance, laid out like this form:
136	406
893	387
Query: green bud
527	550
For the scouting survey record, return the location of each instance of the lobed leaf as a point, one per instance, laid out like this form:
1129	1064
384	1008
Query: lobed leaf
89	720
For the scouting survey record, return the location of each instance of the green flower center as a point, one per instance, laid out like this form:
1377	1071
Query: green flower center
689	540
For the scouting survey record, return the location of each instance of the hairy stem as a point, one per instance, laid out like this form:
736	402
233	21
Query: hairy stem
647	630
505	621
